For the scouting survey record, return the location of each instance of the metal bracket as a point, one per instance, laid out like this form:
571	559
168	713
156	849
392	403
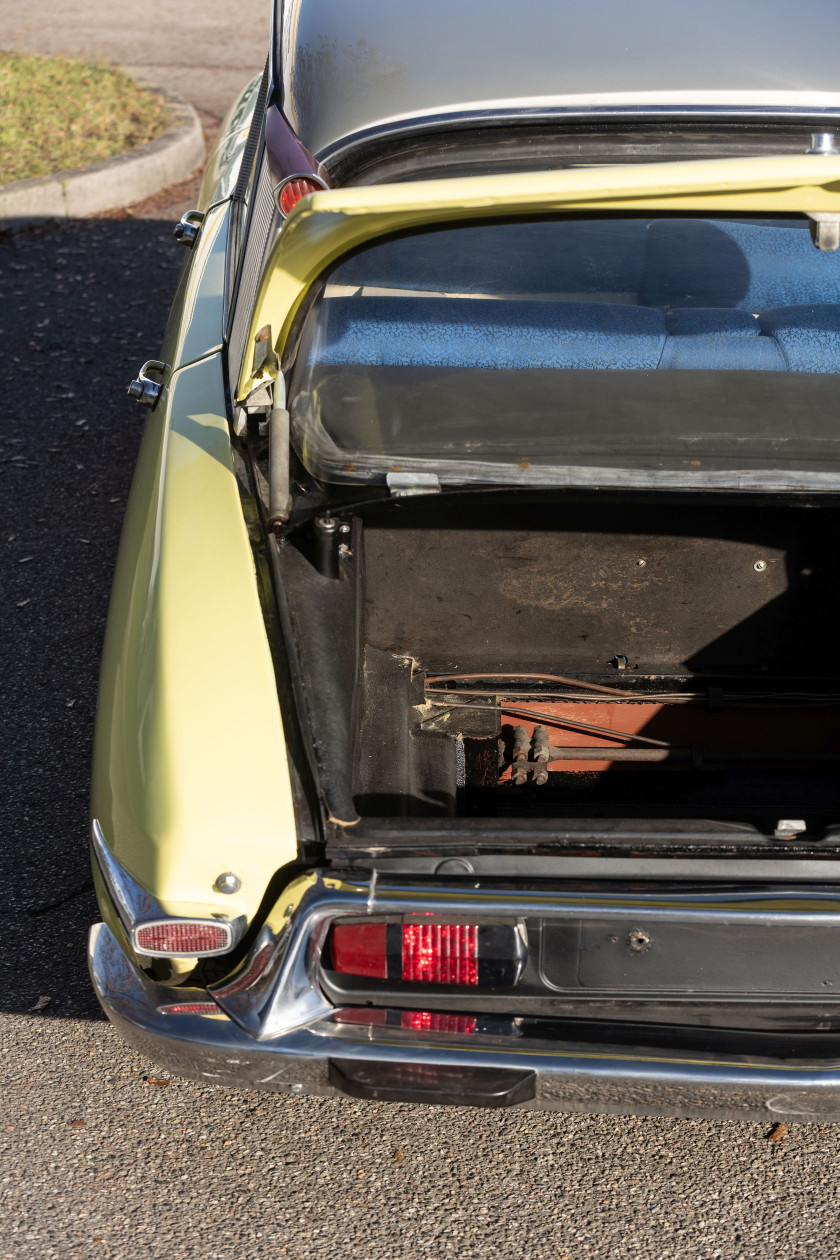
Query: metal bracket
825	230
143	390
188	226
404	483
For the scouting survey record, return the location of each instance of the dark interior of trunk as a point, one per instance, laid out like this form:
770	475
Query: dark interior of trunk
506	658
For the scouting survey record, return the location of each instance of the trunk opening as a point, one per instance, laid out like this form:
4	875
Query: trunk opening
543	658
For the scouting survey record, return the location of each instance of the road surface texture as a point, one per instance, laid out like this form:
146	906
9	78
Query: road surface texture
101	1153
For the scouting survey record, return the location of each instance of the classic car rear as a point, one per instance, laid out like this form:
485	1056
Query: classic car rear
470	715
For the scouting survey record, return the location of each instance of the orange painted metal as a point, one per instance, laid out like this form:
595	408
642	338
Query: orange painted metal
760	727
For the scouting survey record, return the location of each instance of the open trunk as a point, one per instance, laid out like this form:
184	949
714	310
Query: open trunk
508	664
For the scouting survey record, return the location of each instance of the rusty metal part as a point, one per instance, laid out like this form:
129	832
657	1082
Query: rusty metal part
697	756
540	748
627	697
551	678
551	720
521	753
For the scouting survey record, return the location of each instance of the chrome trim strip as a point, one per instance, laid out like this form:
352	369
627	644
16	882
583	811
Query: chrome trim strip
570	1076
576	110
133	904
138	908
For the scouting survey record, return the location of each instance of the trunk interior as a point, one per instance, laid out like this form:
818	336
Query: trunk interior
510	658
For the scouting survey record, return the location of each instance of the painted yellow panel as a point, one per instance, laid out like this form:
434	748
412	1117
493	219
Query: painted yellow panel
190	771
325	225
196	322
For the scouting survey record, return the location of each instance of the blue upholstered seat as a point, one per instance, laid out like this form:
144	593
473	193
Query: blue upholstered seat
808	336
719	340
466	332
741	265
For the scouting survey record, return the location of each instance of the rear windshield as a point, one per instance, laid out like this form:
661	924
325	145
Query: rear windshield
667	349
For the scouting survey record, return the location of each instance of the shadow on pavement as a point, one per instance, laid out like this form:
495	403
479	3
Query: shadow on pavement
81	306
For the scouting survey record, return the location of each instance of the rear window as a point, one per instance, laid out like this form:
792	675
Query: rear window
667	348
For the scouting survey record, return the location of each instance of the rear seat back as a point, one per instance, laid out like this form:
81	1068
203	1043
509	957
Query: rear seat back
679	295
746	266
479	333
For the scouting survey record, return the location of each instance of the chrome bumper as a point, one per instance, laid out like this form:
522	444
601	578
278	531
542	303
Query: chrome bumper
562	1076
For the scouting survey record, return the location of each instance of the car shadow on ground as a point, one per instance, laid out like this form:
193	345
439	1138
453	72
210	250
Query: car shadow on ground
81	306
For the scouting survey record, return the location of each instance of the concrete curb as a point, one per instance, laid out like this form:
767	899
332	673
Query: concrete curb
112	183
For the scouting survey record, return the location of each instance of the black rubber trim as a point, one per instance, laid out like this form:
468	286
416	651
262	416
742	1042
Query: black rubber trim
431	1083
252	144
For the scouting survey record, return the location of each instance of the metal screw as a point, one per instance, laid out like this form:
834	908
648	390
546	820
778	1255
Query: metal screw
822	142
344	529
228	883
640	564
760	566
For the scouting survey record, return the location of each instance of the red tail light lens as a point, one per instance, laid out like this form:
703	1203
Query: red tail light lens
438	1022
421	951
361	949
440	953
290	193
184	938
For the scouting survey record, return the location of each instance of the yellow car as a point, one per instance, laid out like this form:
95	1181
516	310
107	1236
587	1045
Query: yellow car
469	718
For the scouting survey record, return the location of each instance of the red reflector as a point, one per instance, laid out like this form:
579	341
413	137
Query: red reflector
440	953
291	193
359	949
190	1008
182	937
435	1021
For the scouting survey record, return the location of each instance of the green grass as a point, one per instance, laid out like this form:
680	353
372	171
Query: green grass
57	114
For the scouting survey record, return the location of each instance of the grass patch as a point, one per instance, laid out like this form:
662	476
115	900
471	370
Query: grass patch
57	114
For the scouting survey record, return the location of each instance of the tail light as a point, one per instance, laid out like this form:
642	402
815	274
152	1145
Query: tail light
182	938
290	191
422	952
440	953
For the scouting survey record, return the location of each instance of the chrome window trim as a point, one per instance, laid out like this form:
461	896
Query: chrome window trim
577	112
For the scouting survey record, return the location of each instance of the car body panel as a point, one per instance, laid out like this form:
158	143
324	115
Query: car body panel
346	69
196	324
325	225
188	720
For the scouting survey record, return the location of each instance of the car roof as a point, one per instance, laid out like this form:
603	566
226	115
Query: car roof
343	70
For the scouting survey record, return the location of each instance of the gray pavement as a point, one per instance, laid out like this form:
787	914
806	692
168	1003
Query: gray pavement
101	1153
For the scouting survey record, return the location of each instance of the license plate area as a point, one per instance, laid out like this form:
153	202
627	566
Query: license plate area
634	956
